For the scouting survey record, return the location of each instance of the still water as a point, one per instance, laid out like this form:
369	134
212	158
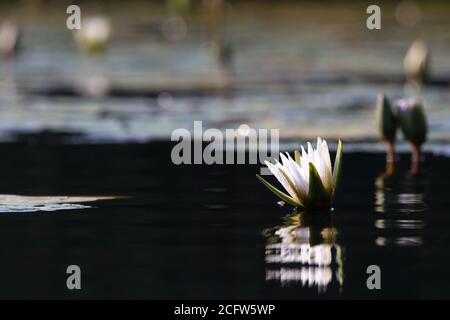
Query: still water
216	232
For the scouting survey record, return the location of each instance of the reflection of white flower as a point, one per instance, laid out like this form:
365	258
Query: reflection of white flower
286	235
303	253
316	276
293	234
308	179
308	276
297	253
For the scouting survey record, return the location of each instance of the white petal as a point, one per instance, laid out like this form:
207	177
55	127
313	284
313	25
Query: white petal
275	169
297	176
310	151
284	160
328	176
304	154
304	160
292	170
302	182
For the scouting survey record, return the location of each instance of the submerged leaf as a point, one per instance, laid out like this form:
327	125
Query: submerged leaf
279	193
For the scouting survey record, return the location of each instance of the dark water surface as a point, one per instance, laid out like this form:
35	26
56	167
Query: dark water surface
215	231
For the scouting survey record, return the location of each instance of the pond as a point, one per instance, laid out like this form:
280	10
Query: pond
199	231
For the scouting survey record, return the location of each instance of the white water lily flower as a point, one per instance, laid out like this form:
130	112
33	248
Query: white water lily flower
309	179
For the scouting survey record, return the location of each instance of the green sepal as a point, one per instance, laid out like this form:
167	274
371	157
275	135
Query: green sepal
318	197
337	166
279	193
297	156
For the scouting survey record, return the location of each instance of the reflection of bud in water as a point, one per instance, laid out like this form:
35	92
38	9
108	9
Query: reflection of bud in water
9	34
386	122
304	250
400	194
416	62
400	202
94	34
94	86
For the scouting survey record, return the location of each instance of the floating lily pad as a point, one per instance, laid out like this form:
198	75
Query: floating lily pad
17	203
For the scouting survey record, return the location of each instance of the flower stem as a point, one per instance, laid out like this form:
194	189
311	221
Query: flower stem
415	159
390	168
390	151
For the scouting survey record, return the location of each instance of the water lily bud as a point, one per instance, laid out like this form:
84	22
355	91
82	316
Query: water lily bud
412	120
94	34
224	52
416	62
9	34
385	119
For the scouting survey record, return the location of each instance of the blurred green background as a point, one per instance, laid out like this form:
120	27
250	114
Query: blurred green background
306	68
